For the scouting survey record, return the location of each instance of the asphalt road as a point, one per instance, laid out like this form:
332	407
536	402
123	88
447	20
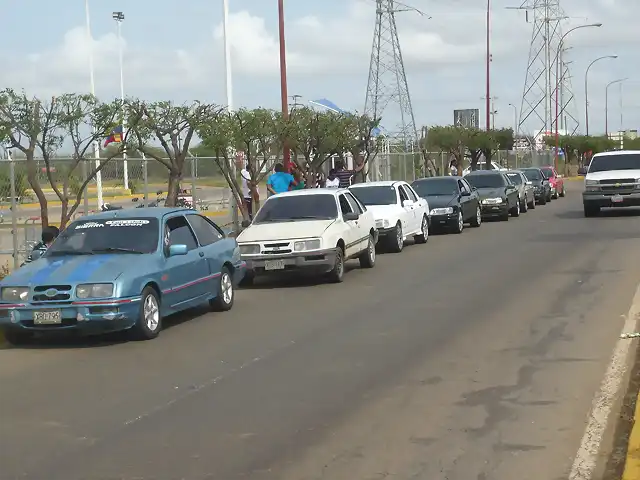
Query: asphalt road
475	356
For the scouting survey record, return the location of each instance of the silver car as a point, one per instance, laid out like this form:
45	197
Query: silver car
525	189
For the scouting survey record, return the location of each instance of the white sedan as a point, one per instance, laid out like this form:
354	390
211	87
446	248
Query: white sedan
314	230
399	211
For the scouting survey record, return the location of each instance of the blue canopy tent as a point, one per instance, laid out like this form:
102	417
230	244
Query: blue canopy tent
329	105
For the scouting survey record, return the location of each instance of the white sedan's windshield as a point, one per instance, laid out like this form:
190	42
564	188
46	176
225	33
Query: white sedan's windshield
297	207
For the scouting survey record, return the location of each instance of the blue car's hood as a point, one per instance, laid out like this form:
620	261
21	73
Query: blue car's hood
74	269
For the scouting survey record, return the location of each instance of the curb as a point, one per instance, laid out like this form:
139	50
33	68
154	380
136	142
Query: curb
632	462
58	203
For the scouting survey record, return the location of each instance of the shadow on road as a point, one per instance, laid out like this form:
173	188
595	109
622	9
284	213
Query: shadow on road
605	213
69	340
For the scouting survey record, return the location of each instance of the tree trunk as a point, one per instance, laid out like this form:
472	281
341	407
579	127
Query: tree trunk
64	213
173	188
32	178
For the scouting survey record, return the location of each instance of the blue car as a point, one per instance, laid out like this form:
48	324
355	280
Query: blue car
122	270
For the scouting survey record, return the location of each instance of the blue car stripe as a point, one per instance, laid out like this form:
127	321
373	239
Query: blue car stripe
85	270
43	274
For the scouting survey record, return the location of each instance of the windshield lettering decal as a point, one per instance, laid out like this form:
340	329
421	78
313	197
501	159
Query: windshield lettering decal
89	225
127	223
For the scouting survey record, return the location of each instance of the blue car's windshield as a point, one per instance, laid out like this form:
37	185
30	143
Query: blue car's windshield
125	235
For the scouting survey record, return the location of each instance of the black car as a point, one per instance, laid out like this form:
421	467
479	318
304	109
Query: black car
498	196
452	202
541	185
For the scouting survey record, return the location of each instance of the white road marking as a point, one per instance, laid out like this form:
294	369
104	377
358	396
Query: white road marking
586	459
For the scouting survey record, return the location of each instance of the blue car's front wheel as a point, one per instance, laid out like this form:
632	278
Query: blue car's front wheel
149	321
226	293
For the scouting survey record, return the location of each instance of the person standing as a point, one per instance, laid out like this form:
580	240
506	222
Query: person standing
247	191
49	234
332	180
344	175
280	181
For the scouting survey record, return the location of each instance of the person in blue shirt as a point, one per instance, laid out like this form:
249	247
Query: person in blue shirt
280	181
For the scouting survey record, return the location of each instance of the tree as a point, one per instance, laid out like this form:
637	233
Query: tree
256	133
359	140
219	133
501	139
449	140
20	123
82	120
173	127
316	137
33	126
478	143
631	143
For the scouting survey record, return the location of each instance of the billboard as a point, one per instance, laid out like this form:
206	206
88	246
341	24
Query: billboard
469	118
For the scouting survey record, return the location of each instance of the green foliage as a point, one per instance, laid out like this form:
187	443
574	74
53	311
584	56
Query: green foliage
134	187
631	143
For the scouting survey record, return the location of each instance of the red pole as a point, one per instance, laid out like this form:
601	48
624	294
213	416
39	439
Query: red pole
283	79
557	113
488	99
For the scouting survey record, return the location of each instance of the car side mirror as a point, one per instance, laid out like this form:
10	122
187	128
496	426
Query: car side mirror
350	217
465	194
407	203
245	223
175	250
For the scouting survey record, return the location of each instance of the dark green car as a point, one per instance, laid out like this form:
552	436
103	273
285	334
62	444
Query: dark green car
499	197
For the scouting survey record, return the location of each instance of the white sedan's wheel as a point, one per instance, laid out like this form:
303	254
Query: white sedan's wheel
424	231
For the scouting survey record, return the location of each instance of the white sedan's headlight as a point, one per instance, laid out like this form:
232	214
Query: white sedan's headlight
492	201
441	211
94	290
382	223
15	294
304	245
249	249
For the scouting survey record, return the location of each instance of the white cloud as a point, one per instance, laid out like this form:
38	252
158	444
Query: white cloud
329	55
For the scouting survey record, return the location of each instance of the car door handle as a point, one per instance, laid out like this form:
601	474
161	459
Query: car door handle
201	254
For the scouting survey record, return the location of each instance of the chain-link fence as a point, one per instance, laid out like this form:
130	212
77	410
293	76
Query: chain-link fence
136	182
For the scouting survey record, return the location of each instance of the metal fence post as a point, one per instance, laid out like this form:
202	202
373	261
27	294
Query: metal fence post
86	189
145	180
194	198
14	207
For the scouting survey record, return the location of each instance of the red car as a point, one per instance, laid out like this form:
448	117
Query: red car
556	181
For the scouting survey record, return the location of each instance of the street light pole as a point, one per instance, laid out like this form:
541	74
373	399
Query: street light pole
558	54
488	66
586	90
515	119
119	18
284	95
233	203
606	104
96	145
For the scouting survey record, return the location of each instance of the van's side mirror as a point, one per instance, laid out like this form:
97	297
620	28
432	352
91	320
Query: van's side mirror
350	217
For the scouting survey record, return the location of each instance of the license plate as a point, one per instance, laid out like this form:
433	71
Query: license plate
51	317
274	265
616	198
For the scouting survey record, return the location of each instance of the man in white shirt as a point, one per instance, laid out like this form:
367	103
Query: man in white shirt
246	191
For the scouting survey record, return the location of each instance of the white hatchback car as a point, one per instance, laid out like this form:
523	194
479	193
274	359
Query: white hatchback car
399	211
314	230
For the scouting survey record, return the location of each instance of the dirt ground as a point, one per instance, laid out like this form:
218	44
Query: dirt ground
617	457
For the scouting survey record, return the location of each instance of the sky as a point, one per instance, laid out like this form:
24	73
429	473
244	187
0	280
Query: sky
174	51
